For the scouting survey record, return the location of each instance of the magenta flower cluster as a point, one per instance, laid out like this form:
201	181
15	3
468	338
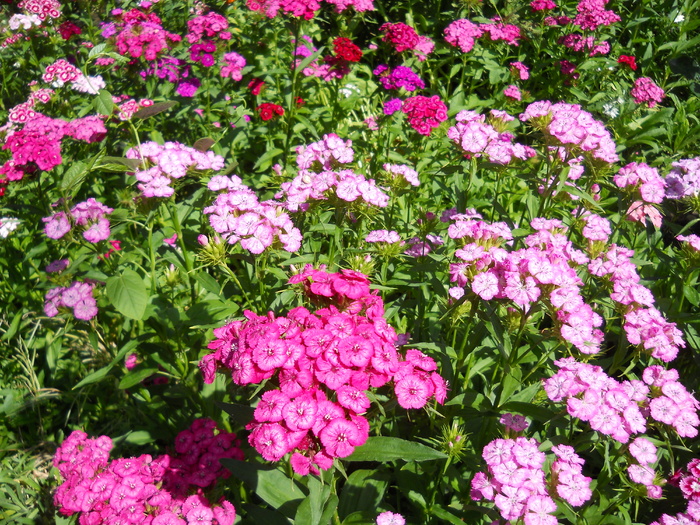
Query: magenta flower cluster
169	161
592	14
622	409
142	35
688	480
240	218
210	25
320	179
573	128
90	214
399	77
77	297
166	490
321	365
477	137
646	91
684	179
579	43
516	480
233	65
648	188
38	143
305	8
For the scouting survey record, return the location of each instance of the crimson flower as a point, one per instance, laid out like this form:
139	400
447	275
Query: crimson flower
268	110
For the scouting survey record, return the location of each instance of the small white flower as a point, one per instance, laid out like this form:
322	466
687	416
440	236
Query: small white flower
348	90
611	109
679	18
8	225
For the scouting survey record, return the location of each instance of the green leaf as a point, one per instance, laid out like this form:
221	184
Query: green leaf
100	374
132	164
363	491
103	102
242	414
128	293
135	377
73	177
149	111
282	493
390	448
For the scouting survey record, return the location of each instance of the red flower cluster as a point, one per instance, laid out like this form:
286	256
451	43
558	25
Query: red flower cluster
268	110
67	29
256	85
629	60
345	48
424	113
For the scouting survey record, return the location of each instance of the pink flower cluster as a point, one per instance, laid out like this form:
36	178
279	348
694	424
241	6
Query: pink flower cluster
61	72
620	409
403	37
77	296
516	480
126	107
573	128
644	325
648	187
358	5
592	14
41	8
417	247
167	490
424	113
476	137
319	179
141	34
684	179
403	173
385	236
642	472
169	161
24	111
463	33
38	143
510	34
645	90
233	65
541	5
240	218
693	241
689	482
210	25
399	77
89	214
323	363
